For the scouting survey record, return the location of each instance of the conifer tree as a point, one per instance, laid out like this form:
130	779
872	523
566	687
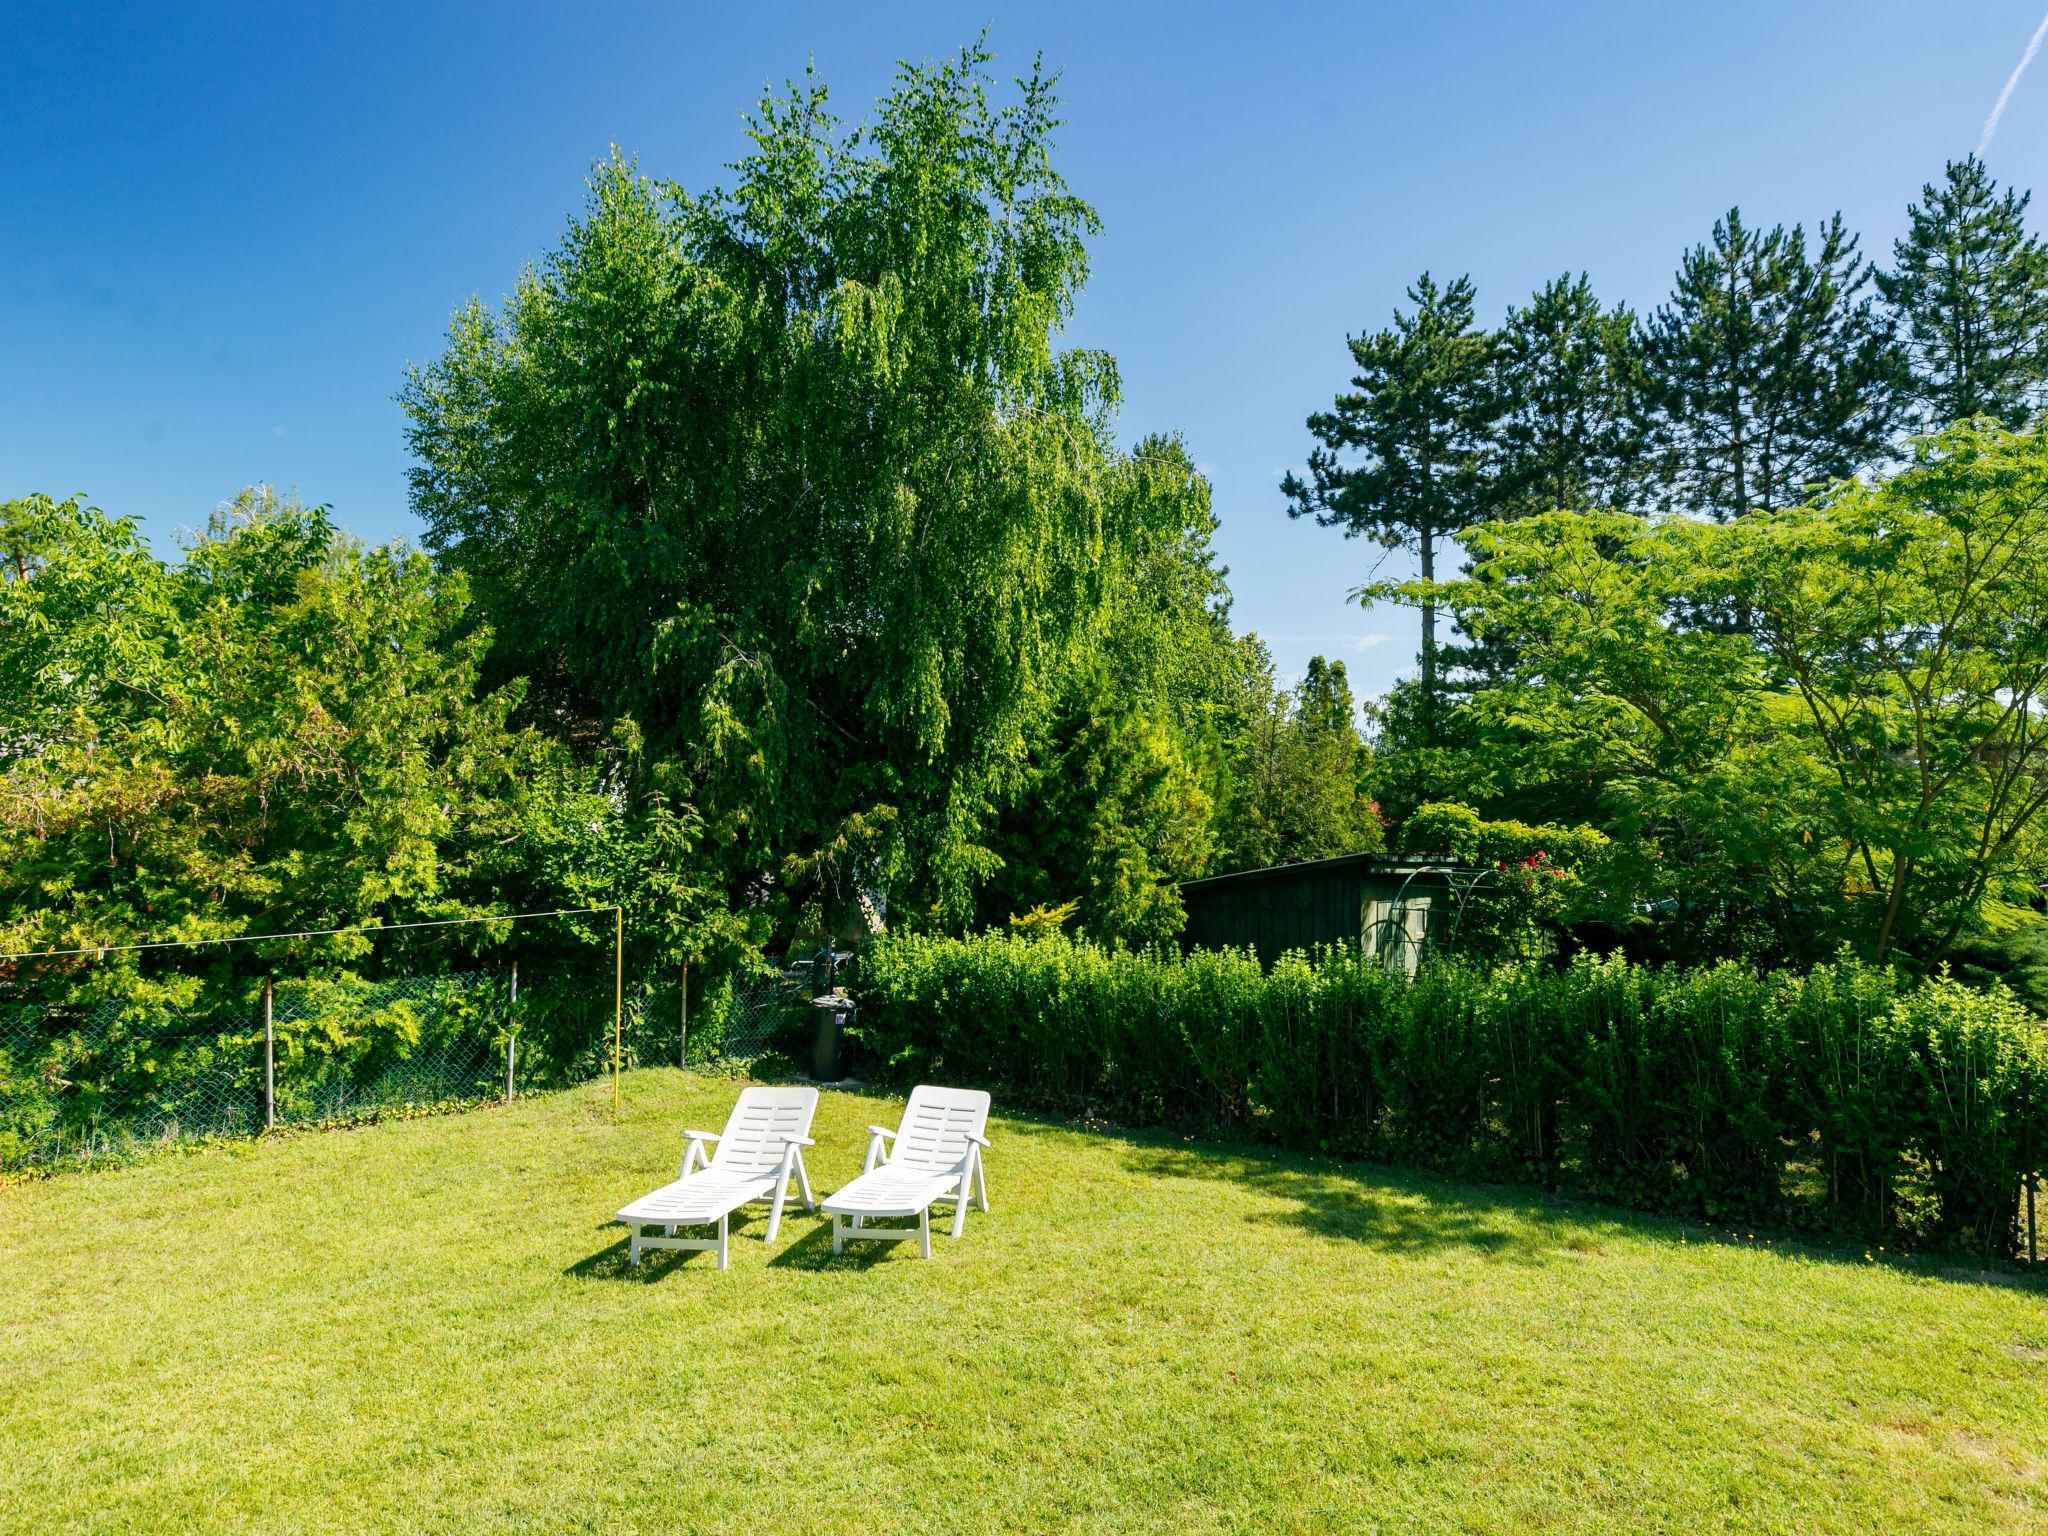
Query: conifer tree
1402	457
1770	371
1323	702
1570	382
1969	291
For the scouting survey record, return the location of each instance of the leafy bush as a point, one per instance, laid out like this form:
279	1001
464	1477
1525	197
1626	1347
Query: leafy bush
1846	1099
1539	878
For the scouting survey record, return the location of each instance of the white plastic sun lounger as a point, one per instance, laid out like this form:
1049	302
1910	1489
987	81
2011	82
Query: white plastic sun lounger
936	1156
762	1145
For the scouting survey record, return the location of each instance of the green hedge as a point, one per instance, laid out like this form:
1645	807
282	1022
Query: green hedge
1845	1099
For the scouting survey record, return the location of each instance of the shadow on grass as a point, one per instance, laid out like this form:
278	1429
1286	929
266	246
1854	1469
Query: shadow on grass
1408	1211
813	1251
613	1263
1388	1209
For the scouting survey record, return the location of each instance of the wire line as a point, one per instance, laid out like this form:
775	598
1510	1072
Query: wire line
304	933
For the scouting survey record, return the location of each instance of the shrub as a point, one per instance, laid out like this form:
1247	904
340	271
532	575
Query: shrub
1847	1099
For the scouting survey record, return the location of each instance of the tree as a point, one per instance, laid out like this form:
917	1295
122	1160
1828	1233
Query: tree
1402	457
1323	701
1867	763
277	732
20	551
1770	375
1969	290
1570	384
1117	798
795	480
1296	780
1910	619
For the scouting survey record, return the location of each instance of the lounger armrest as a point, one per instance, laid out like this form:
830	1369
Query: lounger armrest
979	1141
694	1153
799	1141
877	1137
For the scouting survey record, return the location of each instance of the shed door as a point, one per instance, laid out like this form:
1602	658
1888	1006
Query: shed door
1397	931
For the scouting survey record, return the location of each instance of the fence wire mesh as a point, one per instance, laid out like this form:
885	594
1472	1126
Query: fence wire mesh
101	1060
768	1014
80	1084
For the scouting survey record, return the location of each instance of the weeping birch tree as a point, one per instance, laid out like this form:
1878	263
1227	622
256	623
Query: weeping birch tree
791	486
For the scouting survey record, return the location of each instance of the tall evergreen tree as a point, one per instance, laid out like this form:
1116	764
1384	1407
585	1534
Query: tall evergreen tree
1770	370
1324	702
1969	290
1401	458
1570	381
1296	787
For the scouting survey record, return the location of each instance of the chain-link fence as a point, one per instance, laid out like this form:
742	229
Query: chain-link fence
100	1060
105	1080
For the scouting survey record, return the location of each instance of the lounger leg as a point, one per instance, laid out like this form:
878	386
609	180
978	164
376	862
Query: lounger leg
633	1248
960	1203
838	1242
981	1178
924	1231
803	1182
775	1210
722	1255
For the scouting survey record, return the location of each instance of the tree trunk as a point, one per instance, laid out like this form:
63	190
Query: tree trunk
1429	639
1902	869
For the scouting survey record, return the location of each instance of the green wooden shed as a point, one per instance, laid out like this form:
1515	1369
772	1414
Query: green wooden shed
1395	907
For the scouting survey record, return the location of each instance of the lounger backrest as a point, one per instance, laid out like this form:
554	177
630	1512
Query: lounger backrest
936	1124
761	1123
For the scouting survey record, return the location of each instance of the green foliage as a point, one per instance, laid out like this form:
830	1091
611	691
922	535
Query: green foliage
1461	833
278	730
1848	1098
1116	798
1297	775
1863	762
286	730
1533	881
1042	920
1572	431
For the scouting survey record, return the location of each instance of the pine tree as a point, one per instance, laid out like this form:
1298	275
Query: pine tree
1402	456
1323	702
1570	382
1969	290
1769	374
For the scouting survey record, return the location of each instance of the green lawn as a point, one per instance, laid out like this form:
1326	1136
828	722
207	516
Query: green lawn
428	1326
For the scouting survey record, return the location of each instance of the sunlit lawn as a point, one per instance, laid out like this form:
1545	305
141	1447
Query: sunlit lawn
428	1326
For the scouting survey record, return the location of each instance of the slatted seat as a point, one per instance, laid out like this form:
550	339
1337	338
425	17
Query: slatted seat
936	1155
703	1197
760	1148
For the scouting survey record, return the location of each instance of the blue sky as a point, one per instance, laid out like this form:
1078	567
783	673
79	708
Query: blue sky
227	229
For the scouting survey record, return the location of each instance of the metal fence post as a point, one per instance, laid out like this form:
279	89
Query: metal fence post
269	1062
683	1035
512	1035
618	996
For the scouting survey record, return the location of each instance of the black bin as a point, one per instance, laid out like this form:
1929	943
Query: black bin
830	1017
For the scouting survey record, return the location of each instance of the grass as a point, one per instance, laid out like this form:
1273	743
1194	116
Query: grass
428	1325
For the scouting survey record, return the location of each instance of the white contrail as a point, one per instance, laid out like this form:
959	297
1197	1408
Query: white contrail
1998	111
